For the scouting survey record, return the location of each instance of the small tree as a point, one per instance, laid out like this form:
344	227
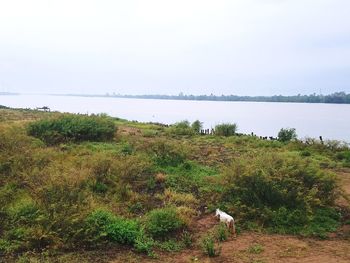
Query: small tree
226	129
197	126
287	134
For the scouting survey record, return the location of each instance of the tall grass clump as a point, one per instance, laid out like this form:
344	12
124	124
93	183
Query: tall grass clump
226	129
73	128
283	193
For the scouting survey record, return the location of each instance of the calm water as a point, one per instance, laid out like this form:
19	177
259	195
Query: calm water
332	121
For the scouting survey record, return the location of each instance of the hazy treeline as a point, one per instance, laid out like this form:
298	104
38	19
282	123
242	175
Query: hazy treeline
338	97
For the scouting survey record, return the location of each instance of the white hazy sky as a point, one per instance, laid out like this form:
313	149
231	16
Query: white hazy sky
244	47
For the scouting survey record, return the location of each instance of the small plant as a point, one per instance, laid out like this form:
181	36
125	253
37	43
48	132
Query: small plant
305	153
170	245
256	249
144	244
126	149
287	134
187	239
209	247
226	129
221	232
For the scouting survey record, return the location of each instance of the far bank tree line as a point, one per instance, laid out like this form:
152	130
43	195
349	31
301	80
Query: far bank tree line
337	98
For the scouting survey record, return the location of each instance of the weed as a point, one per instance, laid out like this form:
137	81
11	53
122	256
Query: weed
256	249
209	247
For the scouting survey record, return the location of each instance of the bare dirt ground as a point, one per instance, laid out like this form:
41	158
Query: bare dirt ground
272	248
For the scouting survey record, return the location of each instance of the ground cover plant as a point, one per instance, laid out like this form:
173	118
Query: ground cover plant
73	128
72	182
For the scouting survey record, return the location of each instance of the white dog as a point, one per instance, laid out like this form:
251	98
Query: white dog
227	219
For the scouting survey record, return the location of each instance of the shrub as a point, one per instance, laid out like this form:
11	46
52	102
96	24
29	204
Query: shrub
324	220
197	126
226	129
102	226
345	157
162	222
168	154
181	128
74	128
209	247
277	191
287	134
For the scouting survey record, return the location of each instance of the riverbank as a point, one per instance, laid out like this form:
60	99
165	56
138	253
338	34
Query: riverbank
63	198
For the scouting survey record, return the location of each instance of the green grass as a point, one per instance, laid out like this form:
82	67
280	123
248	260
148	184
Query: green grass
144	188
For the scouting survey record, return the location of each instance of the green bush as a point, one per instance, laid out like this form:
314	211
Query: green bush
74	128
287	134
197	126
168	154
102	226
279	192
181	128
162	222
144	244
226	129
345	157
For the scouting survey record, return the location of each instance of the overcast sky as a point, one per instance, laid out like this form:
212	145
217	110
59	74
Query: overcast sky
244	47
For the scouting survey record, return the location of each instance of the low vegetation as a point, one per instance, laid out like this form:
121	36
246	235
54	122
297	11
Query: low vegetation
226	129
73	128
71	182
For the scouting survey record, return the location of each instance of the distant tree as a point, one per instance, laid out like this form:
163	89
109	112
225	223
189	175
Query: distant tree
287	134
197	126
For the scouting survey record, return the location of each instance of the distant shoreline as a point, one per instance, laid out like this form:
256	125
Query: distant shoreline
335	98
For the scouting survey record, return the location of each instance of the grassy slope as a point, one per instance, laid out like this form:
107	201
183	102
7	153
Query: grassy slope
142	187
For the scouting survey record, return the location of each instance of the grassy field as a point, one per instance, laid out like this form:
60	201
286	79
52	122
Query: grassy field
79	188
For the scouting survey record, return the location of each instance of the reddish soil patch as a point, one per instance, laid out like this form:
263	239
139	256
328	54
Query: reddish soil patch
256	247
